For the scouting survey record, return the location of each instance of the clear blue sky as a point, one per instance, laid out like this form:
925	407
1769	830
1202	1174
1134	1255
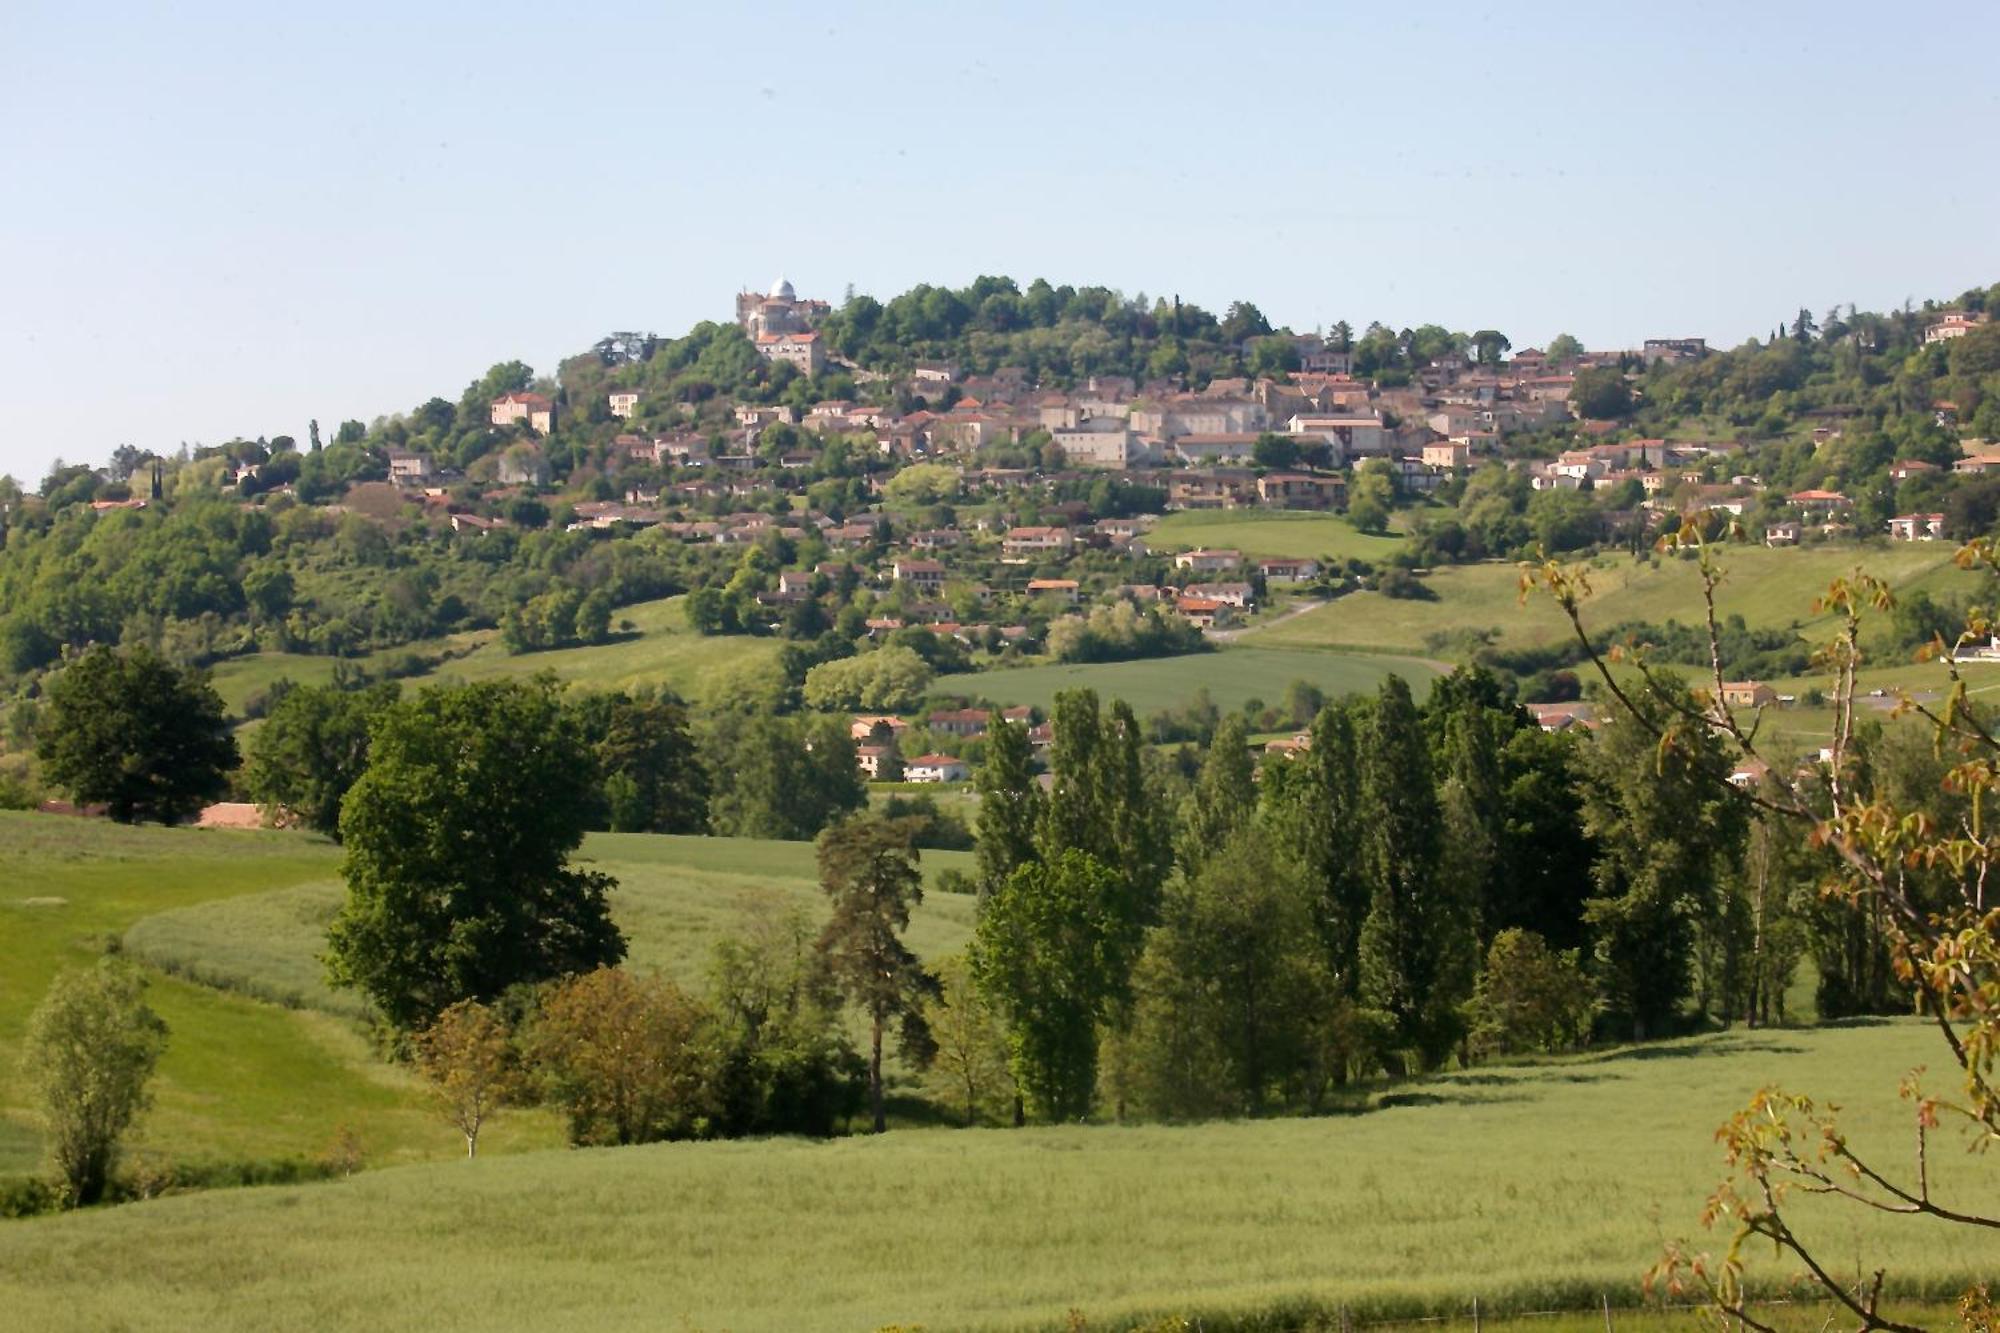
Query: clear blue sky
226	220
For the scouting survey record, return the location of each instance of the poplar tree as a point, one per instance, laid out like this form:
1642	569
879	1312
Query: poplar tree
1225	794
1667	825
1010	803
1310	805
1406	938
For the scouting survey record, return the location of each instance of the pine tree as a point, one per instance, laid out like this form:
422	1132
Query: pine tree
869	869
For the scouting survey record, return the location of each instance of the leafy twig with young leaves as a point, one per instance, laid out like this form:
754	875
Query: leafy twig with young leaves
1948	954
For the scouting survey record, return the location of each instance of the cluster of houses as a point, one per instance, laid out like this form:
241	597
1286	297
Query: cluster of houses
1196	445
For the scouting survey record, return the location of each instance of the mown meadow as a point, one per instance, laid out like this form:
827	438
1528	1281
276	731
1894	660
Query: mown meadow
1232	676
1768	588
1271	533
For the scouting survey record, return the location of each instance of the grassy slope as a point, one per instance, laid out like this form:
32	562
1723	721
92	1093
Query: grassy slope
230	1082
661	650
1279	533
247	1078
676	898
1231	676
1523	1186
1768	588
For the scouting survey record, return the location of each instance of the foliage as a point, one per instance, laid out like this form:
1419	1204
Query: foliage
457	841
1412	943
1051	951
1601	394
1010	802
869	870
91	1048
1120	632
467	1057
311	749
781	777
787	1065
135	733
627	1059
1530	997
654	780
1234	995
969	1066
891	679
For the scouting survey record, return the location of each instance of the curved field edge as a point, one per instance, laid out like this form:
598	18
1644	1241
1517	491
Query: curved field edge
677	896
1529	1187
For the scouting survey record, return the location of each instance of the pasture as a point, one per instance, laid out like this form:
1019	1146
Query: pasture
265	1060
1530	1187
659	649
1270	533
240	1079
676	898
1232	676
1768	588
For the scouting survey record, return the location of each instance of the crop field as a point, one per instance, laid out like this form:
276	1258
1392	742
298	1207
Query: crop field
659	649
1231	675
264	1059
1529	1187
1270	533
1768	588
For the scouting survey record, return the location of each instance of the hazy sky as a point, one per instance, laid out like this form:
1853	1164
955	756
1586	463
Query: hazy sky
226	220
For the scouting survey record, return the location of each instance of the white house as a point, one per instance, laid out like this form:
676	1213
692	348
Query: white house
935	768
1207	561
623	402
1916	527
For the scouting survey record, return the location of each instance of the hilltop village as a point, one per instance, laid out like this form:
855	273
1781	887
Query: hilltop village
977	478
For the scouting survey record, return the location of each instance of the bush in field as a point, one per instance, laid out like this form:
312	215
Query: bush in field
91	1048
627	1059
890	679
467	1058
1530	997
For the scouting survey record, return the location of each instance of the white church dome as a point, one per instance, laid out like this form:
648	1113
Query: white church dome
781	290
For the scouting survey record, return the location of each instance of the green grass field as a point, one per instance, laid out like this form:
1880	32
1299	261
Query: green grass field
660	649
230	1086
264	1059
1768	588
1530	1187
676	898
1270	533
1231	675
